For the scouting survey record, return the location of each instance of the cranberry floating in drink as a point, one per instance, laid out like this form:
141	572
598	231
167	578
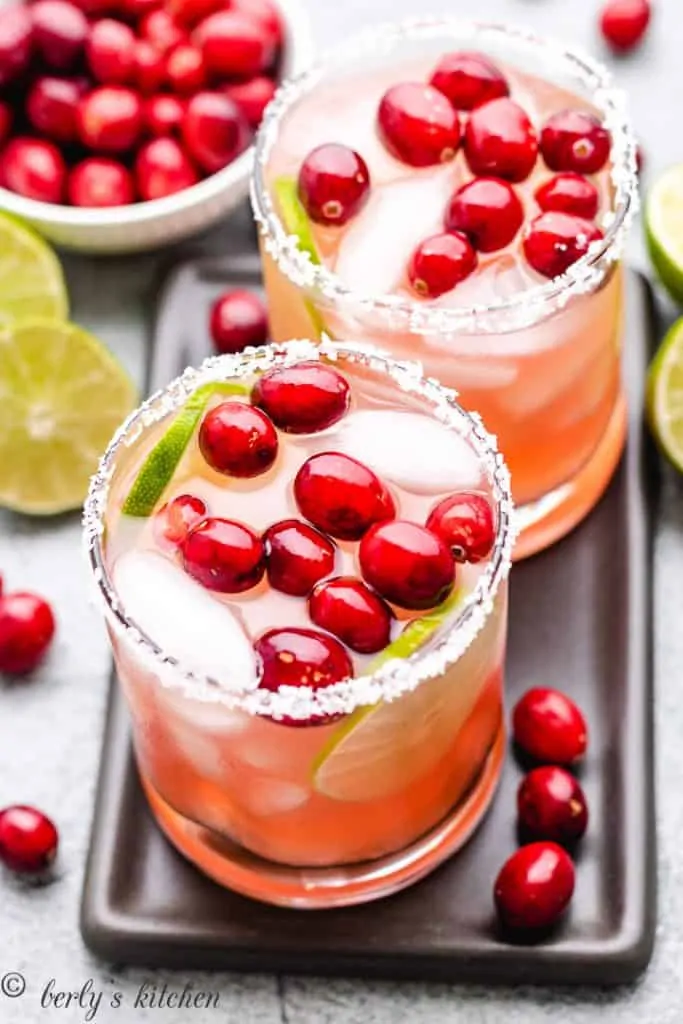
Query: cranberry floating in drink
311	650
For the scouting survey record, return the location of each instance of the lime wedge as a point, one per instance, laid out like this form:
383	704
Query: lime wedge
296	222
62	395
664	229
31	279
161	463
665	395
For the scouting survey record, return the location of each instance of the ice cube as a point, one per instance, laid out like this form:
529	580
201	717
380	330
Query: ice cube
184	620
265	796
204	715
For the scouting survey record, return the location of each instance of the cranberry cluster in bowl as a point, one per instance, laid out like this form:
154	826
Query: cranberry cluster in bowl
125	124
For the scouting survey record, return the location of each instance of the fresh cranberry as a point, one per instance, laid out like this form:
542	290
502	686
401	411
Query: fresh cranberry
149	67
27	626
569	193
549	727
554	241
52	108
16	42
175	519
252	97
303	398
101	182
185	70
346	607
234	45
161	30
190	12
551	805
137	9
441	262
468	80
500	140
214	130
407	564
301	657
297	557
266	12
224	555
93	8
111	52
5	122
33	168
334	183
534	887
238	318
59	32
574	140
163	168
341	496
163	115
110	119
238	440
28	839
488	211
418	124
466	523
624	22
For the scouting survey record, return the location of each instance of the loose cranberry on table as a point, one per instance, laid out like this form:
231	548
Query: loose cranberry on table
334	183
252	97
238	440
440	263
111	52
468	80
554	241
346	607
99	182
551	805
488	211
418	125
301	657
407	564
549	727
110	119
28	839
33	168
185	71
238	318
569	193
534	887
234	45
214	130
500	140
341	496
16	42
224	556
27	627
575	140
163	115
297	557
175	519
466	523
60	31
302	399
624	22
52	108
163	168
162	30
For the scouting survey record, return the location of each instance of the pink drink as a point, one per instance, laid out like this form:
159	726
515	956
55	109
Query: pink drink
281	781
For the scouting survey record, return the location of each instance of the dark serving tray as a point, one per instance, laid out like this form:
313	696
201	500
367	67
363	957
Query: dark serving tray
581	619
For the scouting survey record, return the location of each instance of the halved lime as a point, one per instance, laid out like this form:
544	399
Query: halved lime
665	394
664	229
161	463
296	222
62	395
31	279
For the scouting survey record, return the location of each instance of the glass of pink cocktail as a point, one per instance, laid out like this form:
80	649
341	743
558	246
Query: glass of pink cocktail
308	621
461	194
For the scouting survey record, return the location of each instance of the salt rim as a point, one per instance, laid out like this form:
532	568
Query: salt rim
520	311
395	677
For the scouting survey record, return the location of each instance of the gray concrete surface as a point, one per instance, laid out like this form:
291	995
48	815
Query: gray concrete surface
50	729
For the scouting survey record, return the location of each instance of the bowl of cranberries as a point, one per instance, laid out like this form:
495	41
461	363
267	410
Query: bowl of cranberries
127	124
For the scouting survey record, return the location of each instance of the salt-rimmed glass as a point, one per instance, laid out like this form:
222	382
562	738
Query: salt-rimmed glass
192	732
541	365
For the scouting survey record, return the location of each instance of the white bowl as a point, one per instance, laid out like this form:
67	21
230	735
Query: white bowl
125	229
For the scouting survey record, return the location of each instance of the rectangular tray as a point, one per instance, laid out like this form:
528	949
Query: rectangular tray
581	620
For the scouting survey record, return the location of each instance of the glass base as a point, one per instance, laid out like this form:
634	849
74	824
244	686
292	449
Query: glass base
317	888
547	520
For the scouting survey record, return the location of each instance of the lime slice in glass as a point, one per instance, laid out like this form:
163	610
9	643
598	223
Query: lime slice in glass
296	223
62	395
665	395
161	463
664	229
31	279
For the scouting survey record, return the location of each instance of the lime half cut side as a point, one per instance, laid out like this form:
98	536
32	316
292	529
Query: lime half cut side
161	463
62	396
296	223
31	279
665	395
664	229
